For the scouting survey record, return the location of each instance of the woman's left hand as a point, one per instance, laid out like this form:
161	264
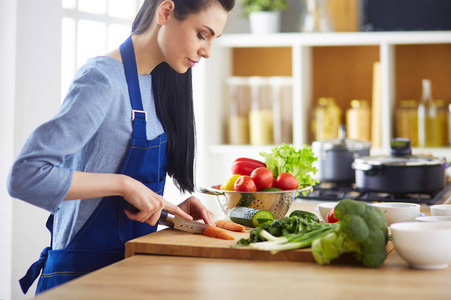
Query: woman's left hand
197	210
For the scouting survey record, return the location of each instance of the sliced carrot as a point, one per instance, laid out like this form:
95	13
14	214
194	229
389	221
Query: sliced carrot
229	225
215	232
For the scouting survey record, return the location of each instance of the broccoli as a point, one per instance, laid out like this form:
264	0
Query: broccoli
362	231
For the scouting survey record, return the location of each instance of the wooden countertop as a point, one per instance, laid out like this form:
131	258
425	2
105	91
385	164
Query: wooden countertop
178	277
175	277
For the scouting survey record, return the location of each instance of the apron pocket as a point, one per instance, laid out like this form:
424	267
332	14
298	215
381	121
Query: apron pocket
157	187
65	265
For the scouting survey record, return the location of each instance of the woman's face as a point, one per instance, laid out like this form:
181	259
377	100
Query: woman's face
184	43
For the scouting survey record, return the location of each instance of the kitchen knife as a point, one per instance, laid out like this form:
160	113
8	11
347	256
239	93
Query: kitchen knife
180	223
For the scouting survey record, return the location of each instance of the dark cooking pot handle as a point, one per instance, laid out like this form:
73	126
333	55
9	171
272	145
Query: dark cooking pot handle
374	170
368	169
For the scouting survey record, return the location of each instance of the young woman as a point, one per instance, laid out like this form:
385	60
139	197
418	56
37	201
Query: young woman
126	122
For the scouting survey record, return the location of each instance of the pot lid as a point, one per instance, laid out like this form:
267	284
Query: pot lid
410	160
400	155
342	143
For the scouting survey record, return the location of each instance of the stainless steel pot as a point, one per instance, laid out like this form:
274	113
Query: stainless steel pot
335	157
400	172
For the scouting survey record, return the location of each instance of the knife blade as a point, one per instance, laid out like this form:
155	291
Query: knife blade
179	223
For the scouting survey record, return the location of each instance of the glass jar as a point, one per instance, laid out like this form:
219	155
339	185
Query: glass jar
315	17
240	101
407	121
449	124
326	119
282	96
427	118
442	122
358	120
261	117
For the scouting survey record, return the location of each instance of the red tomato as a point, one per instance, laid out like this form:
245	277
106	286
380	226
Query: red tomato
330	216
245	184
286	181
263	178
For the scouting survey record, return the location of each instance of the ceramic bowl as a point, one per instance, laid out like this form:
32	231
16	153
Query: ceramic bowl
324	208
433	219
399	211
424	245
441	210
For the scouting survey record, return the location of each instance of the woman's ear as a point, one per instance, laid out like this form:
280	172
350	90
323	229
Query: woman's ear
165	10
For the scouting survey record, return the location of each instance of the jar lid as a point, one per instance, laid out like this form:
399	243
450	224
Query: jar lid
409	103
411	160
359	103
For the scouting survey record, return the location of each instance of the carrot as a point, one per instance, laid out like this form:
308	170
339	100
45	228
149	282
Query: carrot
229	225
215	232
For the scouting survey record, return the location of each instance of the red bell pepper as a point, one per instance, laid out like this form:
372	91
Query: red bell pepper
245	166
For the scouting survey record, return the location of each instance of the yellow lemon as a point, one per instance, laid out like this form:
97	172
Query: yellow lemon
228	184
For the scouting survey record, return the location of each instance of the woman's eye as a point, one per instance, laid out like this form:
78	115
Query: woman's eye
200	36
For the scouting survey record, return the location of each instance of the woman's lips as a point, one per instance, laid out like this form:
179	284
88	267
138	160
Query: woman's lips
192	63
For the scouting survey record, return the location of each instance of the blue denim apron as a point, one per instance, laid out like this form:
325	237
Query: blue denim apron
101	240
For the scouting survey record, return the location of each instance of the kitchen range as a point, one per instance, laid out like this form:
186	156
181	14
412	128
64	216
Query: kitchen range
347	171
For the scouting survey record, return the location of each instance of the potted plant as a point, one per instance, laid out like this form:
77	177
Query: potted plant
264	15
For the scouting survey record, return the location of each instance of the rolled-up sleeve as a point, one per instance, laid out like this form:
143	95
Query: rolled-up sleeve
43	171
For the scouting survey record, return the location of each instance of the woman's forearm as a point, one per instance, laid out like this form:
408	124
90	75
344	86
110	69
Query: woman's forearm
95	185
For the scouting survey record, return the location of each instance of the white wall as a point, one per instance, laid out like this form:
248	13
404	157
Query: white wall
7	86
30	55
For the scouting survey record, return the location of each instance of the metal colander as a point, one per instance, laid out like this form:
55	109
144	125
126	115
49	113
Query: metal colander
276	202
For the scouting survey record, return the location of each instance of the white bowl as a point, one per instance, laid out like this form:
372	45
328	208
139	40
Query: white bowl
324	209
399	211
424	245
433	219
441	210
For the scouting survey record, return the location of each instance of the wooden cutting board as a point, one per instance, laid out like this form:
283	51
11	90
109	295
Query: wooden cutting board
174	242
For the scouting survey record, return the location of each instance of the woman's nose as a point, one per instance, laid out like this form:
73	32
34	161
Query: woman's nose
205	51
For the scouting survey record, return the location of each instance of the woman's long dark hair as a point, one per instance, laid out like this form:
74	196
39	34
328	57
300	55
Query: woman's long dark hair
175	95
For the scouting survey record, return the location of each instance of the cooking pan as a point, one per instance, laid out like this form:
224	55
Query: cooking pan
400	172
335	157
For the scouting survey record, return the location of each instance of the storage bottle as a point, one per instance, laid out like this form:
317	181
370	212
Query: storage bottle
358	120
326	120
449	124
442	122
407	121
239	99
261	118
427	118
282	97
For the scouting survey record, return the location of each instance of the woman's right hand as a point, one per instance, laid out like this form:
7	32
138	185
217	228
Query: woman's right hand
95	185
149	203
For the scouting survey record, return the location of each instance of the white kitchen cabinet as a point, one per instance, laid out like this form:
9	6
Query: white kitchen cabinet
214	156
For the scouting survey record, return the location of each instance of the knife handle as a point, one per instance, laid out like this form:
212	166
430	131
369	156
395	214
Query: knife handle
166	218
131	208
164	214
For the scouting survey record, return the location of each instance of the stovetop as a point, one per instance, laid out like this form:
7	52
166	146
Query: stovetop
336	192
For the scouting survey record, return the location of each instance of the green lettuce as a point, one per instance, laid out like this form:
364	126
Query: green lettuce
299	163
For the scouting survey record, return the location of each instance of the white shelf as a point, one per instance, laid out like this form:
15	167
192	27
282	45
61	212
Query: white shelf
334	39
214	158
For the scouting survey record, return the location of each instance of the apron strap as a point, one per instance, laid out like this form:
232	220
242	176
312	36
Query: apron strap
35	269
33	272
139	116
